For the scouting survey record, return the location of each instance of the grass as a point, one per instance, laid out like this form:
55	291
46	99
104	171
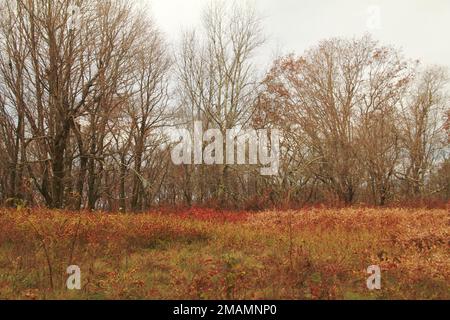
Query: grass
201	254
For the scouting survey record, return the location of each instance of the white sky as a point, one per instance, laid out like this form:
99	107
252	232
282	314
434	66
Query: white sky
420	27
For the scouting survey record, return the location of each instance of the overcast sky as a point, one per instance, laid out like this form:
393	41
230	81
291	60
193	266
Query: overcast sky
420	27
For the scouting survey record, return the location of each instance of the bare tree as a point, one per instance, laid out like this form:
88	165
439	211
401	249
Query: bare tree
333	101
64	82
423	128
217	78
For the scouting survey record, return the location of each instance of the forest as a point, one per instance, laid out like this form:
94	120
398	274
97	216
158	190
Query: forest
92	95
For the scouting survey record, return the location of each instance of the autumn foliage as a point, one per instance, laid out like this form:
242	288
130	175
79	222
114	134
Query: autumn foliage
199	254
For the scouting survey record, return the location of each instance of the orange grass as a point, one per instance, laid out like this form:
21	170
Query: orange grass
201	254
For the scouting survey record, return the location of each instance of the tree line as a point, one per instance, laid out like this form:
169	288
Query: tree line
89	106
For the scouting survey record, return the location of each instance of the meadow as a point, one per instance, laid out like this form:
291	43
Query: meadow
314	253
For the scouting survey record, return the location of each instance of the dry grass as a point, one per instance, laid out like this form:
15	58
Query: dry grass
310	254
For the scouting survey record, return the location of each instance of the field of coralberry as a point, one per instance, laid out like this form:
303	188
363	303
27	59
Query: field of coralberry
202	254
